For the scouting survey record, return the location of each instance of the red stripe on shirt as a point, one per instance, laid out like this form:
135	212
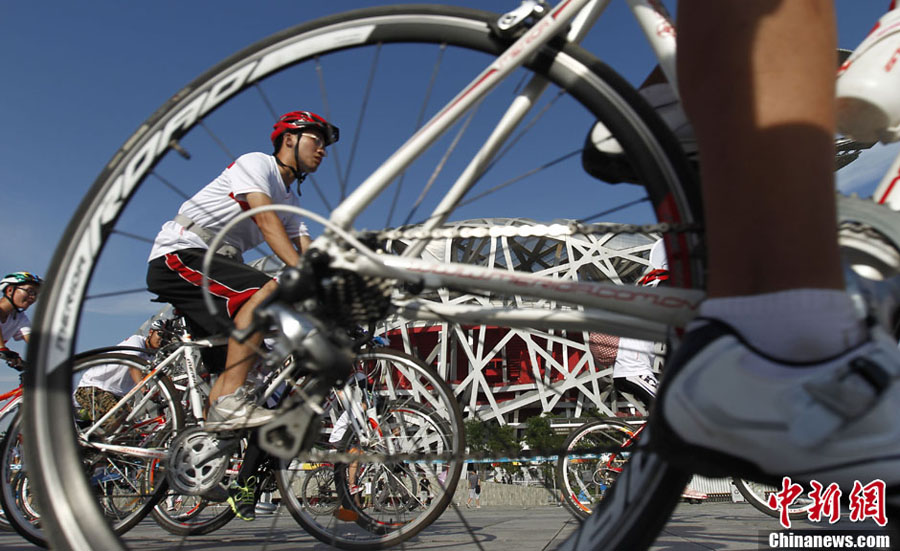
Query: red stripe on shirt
245	206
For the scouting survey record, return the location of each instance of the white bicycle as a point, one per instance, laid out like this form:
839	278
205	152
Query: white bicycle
519	99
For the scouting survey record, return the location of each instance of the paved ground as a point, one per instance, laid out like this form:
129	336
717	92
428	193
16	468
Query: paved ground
725	526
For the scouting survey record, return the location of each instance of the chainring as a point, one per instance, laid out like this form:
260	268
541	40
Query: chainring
198	461
869	238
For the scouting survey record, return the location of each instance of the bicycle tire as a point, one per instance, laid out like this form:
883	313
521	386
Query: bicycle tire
164	417
439	430
589	85
580	494
319	493
202	516
6	421
12	473
193	521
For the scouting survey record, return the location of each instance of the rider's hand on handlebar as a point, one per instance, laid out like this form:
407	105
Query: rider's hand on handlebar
12	358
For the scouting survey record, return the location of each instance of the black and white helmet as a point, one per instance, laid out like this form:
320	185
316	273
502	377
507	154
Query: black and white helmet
19	278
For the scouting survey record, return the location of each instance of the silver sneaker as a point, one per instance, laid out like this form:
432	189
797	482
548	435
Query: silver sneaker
236	411
726	408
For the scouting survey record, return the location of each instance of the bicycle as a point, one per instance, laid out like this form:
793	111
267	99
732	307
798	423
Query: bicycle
406	419
595	454
10	406
524	42
397	511
126	484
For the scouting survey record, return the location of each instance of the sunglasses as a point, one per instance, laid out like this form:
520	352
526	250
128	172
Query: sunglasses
319	140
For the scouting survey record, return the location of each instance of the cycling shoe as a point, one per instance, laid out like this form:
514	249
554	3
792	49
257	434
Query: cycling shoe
726	408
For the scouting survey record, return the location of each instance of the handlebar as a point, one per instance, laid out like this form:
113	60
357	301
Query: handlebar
12	359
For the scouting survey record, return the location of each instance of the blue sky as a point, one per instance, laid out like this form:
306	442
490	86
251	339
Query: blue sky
80	77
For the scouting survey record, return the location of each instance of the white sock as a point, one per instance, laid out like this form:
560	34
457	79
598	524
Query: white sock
796	325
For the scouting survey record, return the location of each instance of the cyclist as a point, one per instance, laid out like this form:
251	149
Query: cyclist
779	374
355	395
299	139
632	359
633	367
101	387
18	291
174	273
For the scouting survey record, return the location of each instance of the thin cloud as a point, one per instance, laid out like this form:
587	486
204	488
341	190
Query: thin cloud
862	175
125	305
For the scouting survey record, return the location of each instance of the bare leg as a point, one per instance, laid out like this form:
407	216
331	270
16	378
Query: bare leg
762	105
240	356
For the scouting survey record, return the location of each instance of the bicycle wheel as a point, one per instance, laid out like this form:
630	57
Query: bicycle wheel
585	473
124	484
411	411
5	422
393	487
15	493
114	216
127	480
186	515
319	494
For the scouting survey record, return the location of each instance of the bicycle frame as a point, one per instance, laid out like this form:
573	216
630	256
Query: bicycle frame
164	365
583	13
12	398
189	352
637	313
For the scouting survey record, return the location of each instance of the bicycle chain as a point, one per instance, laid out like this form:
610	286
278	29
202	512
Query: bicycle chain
571	228
535	230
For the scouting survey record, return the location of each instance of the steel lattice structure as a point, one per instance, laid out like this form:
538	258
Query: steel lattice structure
507	374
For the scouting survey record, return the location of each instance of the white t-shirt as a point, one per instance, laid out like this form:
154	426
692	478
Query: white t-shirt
634	357
658	260
16	327
340	428
114	377
223	199
354	395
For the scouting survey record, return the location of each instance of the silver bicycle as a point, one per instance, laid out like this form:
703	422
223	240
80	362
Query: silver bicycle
515	105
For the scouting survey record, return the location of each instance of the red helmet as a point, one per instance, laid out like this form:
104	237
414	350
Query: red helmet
296	120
